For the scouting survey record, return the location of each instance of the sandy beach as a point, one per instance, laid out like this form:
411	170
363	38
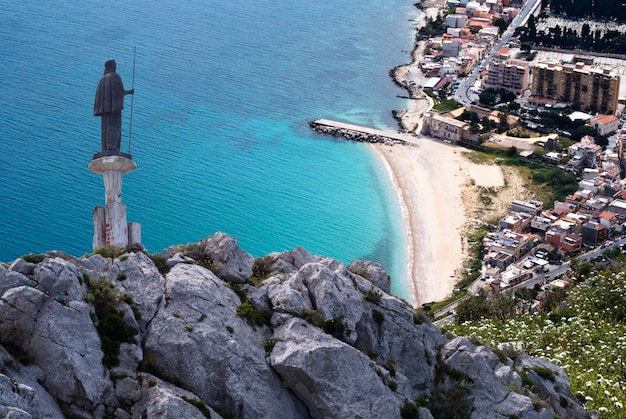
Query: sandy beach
438	188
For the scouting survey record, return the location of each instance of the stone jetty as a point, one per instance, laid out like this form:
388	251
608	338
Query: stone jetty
359	133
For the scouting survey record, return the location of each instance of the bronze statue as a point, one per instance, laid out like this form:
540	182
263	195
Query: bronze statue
109	104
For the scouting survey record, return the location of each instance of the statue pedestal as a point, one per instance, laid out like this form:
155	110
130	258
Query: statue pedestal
109	222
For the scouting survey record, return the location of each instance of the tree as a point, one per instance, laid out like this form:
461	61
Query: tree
501	24
526	46
532	29
488	97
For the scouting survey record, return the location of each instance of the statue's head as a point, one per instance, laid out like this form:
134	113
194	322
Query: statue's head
109	66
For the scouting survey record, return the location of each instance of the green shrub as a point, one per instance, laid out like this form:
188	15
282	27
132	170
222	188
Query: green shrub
161	263
196	251
32	258
260	270
200	405
111	325
268	345
121	276
392	385
409	411
378	316
254	316
452	402
241	292
335	327
545	373
372	295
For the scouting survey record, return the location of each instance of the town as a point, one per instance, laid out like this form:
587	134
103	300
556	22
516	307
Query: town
553	108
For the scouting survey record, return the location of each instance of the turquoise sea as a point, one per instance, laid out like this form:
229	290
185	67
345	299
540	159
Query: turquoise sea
224	90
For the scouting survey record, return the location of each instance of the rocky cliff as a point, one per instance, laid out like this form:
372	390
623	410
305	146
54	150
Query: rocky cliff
205	330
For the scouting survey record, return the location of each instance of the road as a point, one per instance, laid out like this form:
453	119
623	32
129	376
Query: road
554	271
463	94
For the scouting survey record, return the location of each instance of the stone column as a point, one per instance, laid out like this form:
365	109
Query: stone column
109	222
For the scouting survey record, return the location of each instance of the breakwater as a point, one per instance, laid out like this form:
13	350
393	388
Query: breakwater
359	133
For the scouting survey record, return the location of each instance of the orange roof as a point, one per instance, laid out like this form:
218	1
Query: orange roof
476	22
607	215
605	119
460	10
503	51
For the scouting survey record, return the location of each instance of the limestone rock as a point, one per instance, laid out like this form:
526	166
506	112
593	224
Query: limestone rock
136	275
61	340
162	400
197	338
552	383
127	390
95	266
323	372
60	280
16	395
373	272
13	413
23	267
194	330
232	263
291	261
177	258
12	279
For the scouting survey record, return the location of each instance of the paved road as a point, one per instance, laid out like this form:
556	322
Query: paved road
462	94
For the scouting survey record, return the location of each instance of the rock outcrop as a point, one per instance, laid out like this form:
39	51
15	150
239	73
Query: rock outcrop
205	330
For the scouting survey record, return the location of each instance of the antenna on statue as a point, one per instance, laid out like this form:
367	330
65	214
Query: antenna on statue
132	100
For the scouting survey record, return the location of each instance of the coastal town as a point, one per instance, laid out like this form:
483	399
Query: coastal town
479	52
534	238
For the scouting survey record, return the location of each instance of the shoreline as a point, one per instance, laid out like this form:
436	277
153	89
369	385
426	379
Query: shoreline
433	181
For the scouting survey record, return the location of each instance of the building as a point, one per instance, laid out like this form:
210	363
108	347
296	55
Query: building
571	244
445	128
594	90
518	222
506	73
514	276
604	124
531	207
585	153
456	20
451	47
594	233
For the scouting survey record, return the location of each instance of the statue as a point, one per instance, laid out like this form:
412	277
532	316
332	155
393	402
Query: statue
109	104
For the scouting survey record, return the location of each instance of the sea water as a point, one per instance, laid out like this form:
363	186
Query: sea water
224	90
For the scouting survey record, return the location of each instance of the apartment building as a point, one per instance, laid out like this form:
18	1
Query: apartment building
593	89
507	73
594	233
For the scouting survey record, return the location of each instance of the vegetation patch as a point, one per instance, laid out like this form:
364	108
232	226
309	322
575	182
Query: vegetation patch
335	327
32	258
583	333
378	316
254	316
268	345
261	270
161	263
110	325
372	295
113	252
543	372
446	105
199	404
